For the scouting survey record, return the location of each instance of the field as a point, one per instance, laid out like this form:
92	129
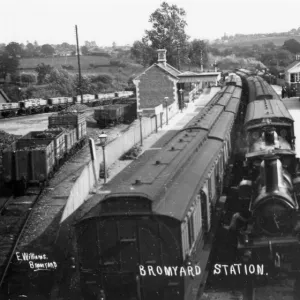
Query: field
101	66
277	40
85	61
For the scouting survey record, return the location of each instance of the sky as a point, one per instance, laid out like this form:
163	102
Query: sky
124	21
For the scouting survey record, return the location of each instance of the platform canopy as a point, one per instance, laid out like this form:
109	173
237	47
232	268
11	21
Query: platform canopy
191	77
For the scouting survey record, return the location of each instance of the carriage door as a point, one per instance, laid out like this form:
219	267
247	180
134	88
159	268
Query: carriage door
150	255
120	280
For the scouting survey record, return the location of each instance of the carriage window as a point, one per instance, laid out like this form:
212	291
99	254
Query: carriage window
191	229
209	187
213	186
185	246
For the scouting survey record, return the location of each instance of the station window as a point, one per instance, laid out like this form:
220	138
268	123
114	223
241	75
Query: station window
295	77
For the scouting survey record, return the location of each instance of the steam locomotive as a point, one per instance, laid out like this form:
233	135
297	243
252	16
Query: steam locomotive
265	202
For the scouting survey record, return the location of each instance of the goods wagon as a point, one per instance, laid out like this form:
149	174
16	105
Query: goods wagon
56	136
28	161
36	156
115	114
87	98
69	120
8	109
105	96
66	119
60	100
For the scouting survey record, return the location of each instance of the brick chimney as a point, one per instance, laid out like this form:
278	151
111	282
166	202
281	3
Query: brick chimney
162	56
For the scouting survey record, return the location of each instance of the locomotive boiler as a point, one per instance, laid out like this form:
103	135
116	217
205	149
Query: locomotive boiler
271	231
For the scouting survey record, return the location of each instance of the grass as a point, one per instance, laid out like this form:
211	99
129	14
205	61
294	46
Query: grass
85	61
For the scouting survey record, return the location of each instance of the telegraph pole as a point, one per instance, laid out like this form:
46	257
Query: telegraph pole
178	57
201	60
79	69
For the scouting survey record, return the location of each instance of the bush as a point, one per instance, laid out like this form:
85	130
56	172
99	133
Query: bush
68	67
44	92
28	78
103	78
118	63
133	153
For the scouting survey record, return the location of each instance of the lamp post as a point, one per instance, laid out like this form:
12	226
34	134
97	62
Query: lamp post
166	102
103	138
181	99
141	128
19	93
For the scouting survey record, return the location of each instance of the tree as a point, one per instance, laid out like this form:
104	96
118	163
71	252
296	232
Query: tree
30	50
43	70
86	85
270	46
84	50
60	81
8	64
142	53
28	78
47	50
196	47
168	32
292	45
14	49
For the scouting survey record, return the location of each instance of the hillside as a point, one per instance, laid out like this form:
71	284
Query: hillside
277	40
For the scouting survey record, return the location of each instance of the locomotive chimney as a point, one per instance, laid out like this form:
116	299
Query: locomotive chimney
271	173
270	136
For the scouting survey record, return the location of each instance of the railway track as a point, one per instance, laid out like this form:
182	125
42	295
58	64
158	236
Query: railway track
14	215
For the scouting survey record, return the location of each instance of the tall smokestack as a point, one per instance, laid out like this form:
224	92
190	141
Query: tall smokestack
162	57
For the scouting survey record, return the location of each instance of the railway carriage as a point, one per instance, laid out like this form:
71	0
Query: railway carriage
234	80
161	211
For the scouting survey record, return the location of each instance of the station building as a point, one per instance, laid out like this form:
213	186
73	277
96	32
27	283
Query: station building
162	87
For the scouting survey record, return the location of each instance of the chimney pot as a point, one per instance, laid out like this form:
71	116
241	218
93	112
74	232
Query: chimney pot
162	56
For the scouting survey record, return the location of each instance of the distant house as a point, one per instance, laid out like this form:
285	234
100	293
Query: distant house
63	53
292	72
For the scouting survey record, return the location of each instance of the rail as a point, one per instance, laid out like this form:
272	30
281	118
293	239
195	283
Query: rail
6	261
